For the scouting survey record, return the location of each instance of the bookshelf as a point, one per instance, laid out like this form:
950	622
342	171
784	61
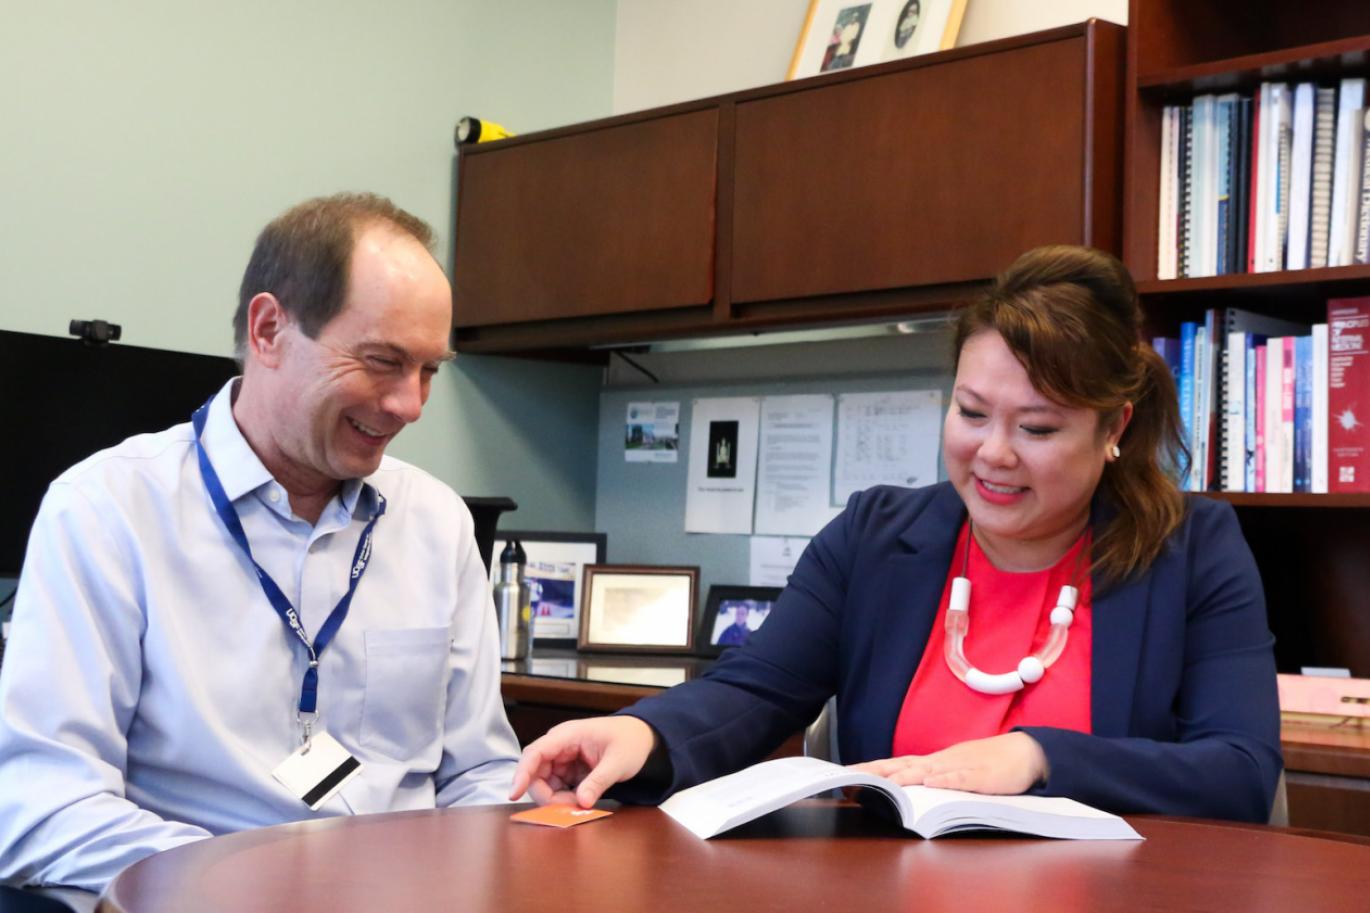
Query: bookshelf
1312	549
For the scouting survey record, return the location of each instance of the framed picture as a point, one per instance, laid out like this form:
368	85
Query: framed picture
555	565
731	614
638	609
838	34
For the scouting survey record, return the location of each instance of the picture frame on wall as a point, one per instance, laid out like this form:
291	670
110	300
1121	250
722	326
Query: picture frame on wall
638	609
556	564
731	614
840	34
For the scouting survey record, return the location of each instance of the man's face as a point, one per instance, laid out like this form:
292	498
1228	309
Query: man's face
343	396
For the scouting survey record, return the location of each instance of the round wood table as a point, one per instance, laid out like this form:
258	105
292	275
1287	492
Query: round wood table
817	855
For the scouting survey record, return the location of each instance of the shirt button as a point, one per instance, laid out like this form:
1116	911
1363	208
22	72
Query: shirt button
275	496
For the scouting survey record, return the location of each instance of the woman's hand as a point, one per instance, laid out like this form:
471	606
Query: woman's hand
1006	764
575	762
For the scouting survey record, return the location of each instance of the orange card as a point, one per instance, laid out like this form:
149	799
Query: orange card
559	815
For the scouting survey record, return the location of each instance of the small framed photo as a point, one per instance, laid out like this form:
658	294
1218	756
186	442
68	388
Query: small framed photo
638	609
556	562
731	614
838	34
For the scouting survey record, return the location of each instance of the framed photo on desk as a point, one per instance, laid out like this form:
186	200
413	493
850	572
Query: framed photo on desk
638	609
556	564
731	614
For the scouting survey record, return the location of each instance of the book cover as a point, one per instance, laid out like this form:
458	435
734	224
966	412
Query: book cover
1204	196
1286	466
1320	203
1254	198
1241	193
1251	409
1274	392
1300	177
1188	331
1363	202
722	804
1198	433
1264	206
1262	360
1303	413
1184	220
1233	475
1318	458
1225	107
1348	386
1281	147
1165	208
1346	172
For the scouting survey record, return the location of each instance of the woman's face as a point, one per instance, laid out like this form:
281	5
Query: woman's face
1025	466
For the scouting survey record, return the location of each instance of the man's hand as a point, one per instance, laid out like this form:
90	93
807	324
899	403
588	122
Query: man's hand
1006	764
575	762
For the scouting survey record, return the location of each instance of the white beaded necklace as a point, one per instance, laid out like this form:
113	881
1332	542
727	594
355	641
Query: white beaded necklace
1031	668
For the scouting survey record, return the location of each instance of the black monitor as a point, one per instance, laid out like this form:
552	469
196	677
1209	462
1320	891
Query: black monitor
62	399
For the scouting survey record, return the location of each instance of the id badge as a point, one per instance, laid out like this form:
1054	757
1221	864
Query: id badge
316	771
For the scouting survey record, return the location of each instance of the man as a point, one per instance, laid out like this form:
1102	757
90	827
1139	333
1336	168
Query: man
159	687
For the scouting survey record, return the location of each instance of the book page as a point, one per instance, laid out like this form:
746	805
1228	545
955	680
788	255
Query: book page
713	807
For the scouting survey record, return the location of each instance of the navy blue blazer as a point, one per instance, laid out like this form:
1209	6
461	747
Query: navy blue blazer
1184	709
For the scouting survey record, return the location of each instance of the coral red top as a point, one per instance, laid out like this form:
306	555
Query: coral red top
1010	617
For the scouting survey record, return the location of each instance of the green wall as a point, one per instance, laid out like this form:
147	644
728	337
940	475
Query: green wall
146	143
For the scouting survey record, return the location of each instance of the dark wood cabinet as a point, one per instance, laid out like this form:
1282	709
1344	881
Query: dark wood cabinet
588	223
1311	549
922	176
886	190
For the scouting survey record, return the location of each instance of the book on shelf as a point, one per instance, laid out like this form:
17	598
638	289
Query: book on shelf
1184	192
719	805
1241	191
1320	202
1279	149
1318	457
1348	394
1165	211
1255	197
1259	417
1346	172
1300	177
1363	198
1303	413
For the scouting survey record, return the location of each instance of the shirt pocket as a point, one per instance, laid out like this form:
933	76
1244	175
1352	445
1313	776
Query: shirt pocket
406	692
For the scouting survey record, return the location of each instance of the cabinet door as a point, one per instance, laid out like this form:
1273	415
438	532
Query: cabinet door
937	174
609	220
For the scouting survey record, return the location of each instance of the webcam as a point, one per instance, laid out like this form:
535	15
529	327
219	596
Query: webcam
95	332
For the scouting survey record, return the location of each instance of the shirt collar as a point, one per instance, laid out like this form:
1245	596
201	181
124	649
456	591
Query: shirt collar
240	470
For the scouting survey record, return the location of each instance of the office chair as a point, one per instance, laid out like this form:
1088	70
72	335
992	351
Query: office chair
486	511
820	741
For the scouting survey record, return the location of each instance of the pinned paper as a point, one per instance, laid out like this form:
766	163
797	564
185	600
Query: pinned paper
559	815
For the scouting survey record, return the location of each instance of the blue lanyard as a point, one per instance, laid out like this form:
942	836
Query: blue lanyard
309	690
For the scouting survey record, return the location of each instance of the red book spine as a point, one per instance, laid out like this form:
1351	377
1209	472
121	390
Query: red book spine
1348	394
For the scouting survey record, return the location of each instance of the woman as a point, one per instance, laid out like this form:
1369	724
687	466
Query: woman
1118	653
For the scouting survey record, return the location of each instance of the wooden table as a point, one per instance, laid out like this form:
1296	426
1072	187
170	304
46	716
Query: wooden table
818	855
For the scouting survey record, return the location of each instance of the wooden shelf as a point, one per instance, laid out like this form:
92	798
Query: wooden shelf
1301	499
1324	60
1276	281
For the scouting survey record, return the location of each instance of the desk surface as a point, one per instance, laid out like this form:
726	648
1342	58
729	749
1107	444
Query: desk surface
818	855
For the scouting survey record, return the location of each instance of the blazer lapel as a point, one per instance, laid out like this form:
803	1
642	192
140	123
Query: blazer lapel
909	598
1118	620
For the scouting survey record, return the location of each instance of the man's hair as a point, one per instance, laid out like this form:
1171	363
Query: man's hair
303	256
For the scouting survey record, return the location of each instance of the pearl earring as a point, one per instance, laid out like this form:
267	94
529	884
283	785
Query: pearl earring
1116	452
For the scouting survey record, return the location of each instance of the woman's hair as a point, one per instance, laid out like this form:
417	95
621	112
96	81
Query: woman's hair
1071	317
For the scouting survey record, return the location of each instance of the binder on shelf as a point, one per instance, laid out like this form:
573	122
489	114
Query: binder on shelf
1319	409
1320	203
1241	331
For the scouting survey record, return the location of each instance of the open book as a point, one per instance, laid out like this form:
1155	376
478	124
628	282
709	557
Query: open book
719	805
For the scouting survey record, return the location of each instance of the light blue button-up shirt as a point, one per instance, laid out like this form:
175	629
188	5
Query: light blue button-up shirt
149	689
